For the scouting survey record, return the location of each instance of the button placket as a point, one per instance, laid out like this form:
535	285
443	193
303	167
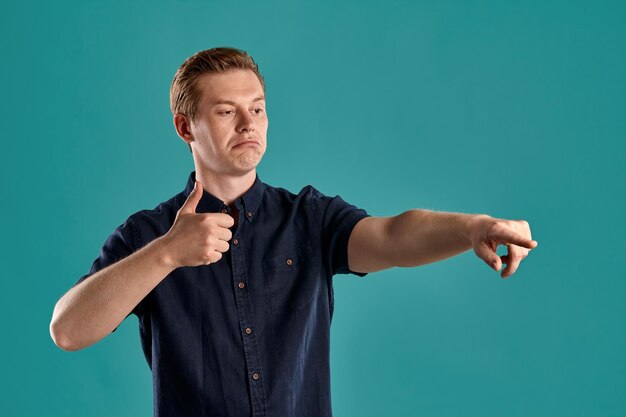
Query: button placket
245	315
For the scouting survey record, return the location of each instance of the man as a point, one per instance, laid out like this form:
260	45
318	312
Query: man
231	279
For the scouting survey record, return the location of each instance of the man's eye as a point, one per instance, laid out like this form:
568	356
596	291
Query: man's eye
227	112
258	111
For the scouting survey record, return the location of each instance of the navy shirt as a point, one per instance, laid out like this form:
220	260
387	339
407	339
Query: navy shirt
248	335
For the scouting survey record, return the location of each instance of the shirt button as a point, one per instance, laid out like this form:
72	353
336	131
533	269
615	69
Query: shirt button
256	376
235	242
249	214
241	285
248	330
289	261
224	210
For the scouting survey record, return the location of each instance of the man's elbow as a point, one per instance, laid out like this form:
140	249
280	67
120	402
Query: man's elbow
60	331
61	338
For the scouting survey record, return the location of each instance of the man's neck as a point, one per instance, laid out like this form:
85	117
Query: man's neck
226	188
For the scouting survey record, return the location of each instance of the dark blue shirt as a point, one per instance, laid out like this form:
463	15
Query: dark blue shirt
248	335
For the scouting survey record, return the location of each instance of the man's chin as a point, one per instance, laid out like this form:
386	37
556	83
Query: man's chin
247	161
243	167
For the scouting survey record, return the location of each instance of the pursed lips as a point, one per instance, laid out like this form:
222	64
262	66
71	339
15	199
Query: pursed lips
246	141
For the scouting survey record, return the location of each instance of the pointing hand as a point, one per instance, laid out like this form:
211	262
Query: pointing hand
489	232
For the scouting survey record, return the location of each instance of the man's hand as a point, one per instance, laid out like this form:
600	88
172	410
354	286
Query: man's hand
488	232
197	238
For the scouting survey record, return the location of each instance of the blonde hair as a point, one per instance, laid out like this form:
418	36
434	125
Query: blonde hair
184	94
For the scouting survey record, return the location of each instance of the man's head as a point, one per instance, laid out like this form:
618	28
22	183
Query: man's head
217	99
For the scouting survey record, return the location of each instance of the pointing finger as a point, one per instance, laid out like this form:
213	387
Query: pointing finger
517	239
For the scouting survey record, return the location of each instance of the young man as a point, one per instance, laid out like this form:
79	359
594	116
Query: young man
231	279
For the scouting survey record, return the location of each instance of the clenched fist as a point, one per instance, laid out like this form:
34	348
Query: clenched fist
197	238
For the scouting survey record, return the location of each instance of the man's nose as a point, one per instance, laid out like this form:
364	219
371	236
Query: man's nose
246	123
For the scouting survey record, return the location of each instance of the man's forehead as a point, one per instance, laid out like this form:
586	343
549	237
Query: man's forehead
230	86
225	100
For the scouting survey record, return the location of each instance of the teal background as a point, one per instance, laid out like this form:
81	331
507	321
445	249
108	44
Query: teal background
514	109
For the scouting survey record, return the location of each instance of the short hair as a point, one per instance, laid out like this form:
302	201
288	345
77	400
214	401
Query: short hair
184	94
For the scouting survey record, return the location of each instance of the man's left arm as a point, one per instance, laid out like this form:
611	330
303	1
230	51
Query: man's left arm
418	237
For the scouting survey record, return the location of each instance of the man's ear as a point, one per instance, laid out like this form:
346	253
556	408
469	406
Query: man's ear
182	123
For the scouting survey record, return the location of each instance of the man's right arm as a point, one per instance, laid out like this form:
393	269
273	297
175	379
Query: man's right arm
92	309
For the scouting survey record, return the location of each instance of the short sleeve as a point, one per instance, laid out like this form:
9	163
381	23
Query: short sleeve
338	218
117	246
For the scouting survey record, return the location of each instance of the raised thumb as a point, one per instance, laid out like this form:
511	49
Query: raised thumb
192	200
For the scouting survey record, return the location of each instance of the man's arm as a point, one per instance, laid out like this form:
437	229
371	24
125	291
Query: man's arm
418	237
92	309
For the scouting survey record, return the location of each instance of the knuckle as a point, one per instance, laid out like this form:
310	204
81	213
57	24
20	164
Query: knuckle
512	224
493	225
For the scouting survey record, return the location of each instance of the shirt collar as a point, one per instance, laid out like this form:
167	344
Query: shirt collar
211	204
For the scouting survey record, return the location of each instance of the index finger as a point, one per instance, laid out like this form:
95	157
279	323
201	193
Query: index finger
224	220
518	240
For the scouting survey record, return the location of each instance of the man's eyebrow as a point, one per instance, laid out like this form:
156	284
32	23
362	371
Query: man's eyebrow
224	101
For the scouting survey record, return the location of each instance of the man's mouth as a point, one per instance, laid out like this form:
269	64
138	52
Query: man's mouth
247	142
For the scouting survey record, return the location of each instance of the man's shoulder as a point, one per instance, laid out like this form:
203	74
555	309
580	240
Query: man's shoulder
307	191
309	200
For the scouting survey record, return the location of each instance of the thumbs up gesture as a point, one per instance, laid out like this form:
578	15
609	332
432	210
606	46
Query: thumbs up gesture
197	238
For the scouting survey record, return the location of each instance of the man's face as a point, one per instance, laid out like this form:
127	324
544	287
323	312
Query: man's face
230	130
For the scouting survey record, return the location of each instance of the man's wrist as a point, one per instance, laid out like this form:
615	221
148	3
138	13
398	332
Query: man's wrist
163	255
473	225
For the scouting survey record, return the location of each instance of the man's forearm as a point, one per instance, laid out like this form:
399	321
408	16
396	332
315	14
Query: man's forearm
92	309
423	236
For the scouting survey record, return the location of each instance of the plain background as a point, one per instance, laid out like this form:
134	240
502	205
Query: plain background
514	109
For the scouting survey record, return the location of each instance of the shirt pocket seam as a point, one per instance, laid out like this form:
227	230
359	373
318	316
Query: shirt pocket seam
281	275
